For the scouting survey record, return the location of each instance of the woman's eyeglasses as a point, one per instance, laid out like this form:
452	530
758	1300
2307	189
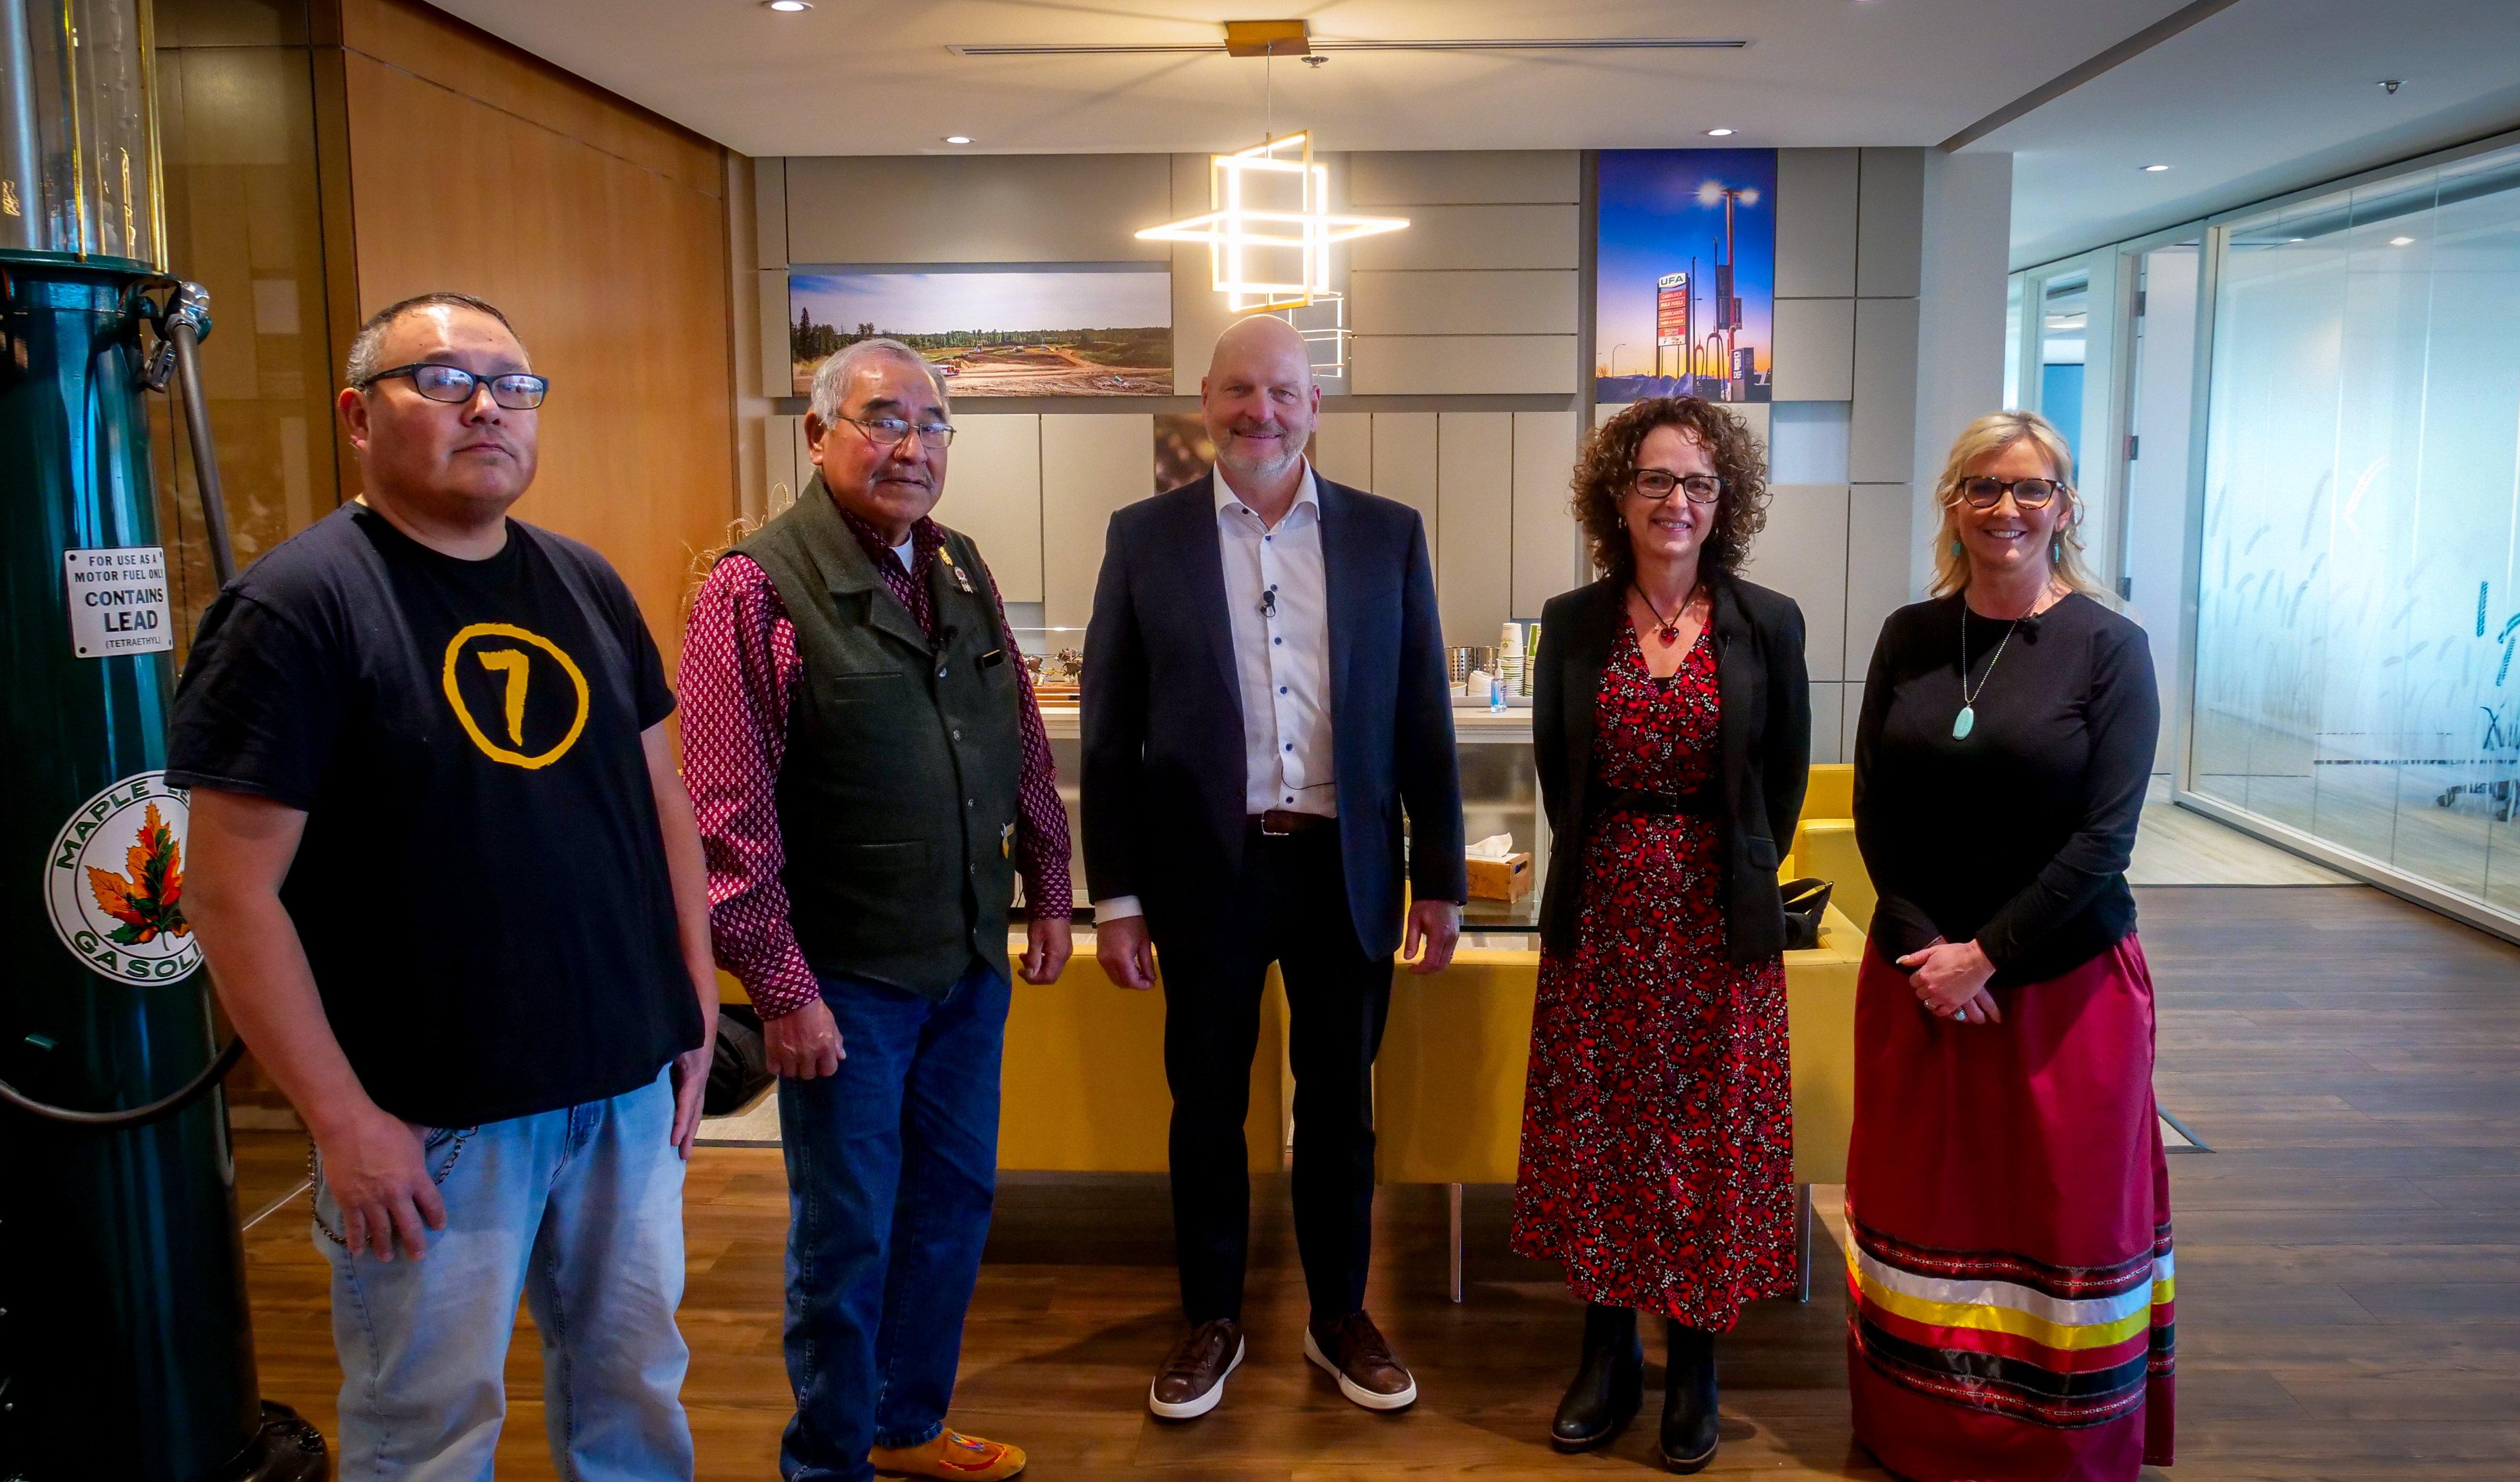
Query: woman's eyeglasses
2027	493
454	385
1702	488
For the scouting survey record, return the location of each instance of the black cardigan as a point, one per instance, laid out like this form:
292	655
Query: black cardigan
1763	740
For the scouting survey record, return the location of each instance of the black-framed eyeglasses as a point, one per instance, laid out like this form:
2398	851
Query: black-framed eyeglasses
453	384
1985	493
1702	488
889	432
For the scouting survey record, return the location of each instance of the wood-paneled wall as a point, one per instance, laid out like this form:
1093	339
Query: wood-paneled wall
601	230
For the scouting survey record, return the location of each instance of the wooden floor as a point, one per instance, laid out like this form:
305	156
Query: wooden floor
2348	1264
2174	846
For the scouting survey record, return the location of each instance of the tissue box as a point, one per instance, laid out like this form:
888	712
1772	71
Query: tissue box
1500	879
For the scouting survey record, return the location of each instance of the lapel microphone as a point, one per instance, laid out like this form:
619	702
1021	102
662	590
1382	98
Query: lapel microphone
1269	603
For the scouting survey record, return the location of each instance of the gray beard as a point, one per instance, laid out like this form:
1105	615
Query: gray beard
1258	470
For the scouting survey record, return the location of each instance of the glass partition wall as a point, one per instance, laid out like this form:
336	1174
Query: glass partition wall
2358	596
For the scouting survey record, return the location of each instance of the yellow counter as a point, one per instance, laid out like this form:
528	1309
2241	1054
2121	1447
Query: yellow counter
1084	1071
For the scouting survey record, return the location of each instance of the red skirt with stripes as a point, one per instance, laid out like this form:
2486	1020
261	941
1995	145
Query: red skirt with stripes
2010	1281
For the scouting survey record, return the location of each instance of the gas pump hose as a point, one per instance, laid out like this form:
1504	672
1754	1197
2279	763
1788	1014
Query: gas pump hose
180	324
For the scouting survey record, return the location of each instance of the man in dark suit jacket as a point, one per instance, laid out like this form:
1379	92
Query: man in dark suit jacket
1264	698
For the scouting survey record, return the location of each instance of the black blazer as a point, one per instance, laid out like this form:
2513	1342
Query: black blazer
1764	740
1163	784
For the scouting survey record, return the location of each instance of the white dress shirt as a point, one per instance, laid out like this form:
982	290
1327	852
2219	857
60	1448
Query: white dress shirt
1279	603
1276	600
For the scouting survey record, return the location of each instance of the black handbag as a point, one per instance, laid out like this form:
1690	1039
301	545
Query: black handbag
739	1069
1806	901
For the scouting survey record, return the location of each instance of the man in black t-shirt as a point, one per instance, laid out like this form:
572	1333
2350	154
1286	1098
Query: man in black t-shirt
449	885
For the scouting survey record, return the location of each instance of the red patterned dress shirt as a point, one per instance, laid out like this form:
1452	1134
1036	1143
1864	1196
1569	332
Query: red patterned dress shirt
739	675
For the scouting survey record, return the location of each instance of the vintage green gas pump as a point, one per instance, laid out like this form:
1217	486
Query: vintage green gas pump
126	1354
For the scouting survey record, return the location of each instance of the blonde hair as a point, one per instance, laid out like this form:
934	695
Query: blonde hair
1987	438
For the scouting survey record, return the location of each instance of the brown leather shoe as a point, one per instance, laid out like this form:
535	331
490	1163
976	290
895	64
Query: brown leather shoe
1356	1353
1193	1378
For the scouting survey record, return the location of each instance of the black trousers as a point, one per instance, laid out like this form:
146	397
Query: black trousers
1293	911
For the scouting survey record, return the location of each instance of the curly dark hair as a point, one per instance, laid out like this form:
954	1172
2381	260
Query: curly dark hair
1609	465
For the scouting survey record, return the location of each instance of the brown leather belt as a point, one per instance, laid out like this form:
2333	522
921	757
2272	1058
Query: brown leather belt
1281	823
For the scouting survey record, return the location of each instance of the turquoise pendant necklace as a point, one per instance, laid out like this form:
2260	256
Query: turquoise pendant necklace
1966	721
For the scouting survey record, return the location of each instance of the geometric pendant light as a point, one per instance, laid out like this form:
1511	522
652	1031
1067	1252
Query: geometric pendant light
1270	229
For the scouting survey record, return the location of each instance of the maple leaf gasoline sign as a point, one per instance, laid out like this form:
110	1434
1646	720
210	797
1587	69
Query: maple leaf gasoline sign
113	883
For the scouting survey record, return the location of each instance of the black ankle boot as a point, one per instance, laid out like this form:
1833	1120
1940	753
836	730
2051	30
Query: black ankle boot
1610	1385
1689	1423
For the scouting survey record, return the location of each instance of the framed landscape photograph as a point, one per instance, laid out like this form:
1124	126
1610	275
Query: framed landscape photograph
1686	290
1076	330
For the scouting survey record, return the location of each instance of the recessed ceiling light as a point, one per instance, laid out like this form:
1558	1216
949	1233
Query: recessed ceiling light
2154	169
2401	241
1719	133
789	6
957	139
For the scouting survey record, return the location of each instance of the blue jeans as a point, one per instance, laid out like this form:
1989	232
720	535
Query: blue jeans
580	1211
892	1163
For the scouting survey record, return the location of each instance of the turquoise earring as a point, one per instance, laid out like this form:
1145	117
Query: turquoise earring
1955	548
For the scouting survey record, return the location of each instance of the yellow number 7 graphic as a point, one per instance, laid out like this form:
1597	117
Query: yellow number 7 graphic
517	668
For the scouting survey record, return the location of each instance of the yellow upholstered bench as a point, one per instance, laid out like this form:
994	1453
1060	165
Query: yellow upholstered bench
1083	1089
1831	790
1824	846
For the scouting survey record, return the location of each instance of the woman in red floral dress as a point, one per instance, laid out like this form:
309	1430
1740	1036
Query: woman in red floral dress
1672	725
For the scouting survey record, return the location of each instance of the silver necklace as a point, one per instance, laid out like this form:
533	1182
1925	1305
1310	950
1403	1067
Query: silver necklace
1966	721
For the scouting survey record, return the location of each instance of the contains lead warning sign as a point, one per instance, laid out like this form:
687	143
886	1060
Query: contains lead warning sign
118	601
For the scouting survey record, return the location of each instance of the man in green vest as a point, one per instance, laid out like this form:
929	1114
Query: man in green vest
871	776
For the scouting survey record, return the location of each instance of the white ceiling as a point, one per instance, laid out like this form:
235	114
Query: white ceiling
2264	98
854	77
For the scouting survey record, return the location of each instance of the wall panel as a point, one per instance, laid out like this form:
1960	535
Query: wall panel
1814	354
476	168
1890	226
1473	302
1828	728
1477	237
1474	555
1464	364
1463	177
1547	545
976	207
432	46
1404	462
1816	219
783	444
769	309
1881	435
992	494
1344	449
1802	553
1878	544
1090	465
770	213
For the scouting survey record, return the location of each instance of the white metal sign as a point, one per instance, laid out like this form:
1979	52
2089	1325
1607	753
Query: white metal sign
114	880
118	601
